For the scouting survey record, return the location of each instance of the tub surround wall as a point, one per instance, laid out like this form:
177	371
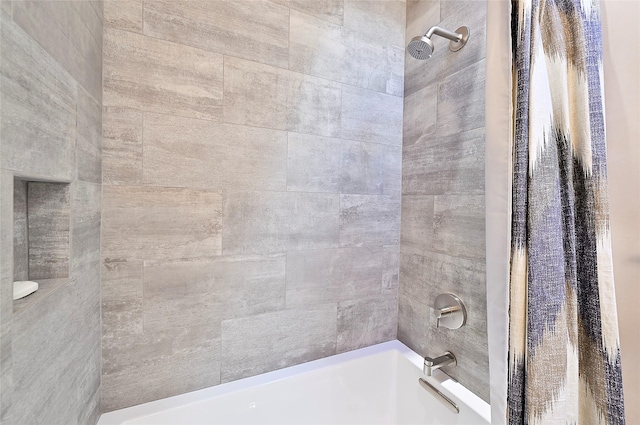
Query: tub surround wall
51	88
252	170
443	218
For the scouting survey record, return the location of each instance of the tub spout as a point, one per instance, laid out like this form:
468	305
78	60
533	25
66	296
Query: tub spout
447	359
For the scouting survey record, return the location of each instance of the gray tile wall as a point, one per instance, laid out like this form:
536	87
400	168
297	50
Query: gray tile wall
251	210
50	126
48	223
20	231
443	237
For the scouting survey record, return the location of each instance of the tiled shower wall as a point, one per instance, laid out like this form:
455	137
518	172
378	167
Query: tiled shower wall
443	219
50	125
252	172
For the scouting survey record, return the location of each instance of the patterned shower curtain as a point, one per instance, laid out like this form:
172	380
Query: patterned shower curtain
564	355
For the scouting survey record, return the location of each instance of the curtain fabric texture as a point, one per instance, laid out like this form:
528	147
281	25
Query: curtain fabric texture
564	355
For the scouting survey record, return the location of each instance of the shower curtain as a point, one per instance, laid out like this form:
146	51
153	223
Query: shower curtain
564	355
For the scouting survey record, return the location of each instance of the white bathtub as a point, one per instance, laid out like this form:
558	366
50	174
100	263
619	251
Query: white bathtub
373	385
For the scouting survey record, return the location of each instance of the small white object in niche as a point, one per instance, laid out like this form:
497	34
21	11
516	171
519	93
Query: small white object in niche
22	288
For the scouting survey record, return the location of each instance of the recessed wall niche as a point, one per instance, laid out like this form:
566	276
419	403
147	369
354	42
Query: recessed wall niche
41	230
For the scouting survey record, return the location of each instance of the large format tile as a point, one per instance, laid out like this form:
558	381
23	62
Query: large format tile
331	51
378	20
447	165
390	269
257	30
71	33
127	352
122	146
461	100
371	116
48	216
420	114
250	284
329	275
98	6
195	153
417	328
145	73
86	207
420	16
255	222
265	96
458	8
444	63
321	164
369	220
39	118
270	222
47	354
270	341
157	223
88	139
87	387
392	185
6	286
471	350
43	359
160	364
179	294
416	234
314	220
20	231
412	277
459	225
413	320
329	10
427	275
366	322
121	299
86	362
90	13
194	293
443	238
123	14
6	6
51	92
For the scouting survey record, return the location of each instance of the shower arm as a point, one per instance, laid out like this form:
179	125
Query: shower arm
453	36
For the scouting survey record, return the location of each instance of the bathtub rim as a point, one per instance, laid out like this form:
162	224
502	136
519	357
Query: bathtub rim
439	379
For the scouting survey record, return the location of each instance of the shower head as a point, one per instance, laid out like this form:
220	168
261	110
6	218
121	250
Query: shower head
421	47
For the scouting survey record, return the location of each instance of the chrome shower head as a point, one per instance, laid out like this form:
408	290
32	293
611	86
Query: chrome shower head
421	47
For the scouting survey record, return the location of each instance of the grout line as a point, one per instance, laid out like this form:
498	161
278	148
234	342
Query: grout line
142	182
26	224
250	190
100	250
342	108
224	200
142	293
222	108
286	180
220	122
286	286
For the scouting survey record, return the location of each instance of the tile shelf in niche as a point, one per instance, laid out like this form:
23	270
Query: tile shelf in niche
46	287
